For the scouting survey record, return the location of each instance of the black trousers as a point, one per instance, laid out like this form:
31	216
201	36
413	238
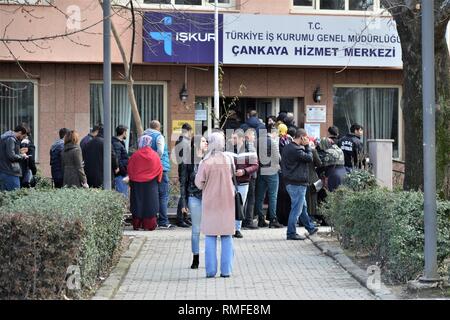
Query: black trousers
249	206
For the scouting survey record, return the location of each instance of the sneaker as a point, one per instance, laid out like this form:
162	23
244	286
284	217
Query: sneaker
275	224
238	234
313	231
249	226
225	275
166	226
295	237
262	224
182	224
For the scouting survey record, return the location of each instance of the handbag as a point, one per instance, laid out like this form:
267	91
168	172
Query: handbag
238	203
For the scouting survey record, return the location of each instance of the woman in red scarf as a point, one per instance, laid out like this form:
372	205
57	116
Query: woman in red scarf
145	172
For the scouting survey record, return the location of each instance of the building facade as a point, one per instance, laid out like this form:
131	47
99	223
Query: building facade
328	62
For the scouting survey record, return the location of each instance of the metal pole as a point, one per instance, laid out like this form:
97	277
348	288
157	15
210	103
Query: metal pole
107	94
216	66
429	141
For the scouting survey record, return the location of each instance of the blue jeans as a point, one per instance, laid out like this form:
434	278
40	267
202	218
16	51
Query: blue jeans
9	182
243	190
163	189
298	208
266	183
226	259
195	208
121	186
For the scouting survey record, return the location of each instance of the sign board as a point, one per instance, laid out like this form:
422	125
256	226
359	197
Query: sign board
177	124
179	37
201	115
313	129
316	113
310	40
248	39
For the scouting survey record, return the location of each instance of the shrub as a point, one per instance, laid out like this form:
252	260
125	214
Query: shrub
359	180
388	226
44	232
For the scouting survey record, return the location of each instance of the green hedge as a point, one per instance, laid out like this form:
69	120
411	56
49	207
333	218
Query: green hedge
389	226
42	233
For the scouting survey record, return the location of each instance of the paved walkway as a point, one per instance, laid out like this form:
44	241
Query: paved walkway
266	266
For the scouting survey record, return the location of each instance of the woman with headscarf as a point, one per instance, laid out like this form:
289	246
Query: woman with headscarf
191	196
144	172
332	159
215	179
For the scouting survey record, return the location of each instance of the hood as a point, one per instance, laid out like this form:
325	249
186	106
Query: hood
57	144
8	134
69	146
150	131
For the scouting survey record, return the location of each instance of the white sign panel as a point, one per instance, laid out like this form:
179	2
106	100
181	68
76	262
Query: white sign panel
316	113
201	115
310	40
313	129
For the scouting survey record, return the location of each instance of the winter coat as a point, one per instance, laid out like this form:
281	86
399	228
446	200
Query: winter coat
93	162
86	140
352	147
28	166
268	155
72	163
214	178
295	164
316	163
231	124
121	155
187	183
56	160
247	159
162	150
182	152
253	122
10	156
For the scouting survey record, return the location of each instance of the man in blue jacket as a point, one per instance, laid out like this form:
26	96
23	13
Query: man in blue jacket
10	157
159	145
118	144
294	167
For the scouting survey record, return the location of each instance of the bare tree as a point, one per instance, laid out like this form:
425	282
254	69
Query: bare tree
407	15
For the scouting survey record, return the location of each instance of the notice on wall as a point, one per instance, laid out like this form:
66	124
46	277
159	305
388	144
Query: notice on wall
313	129
177	124
316	113
201	115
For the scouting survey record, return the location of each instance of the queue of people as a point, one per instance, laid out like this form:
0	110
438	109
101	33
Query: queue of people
276	161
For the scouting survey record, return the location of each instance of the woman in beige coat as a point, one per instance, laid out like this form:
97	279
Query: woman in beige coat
214	178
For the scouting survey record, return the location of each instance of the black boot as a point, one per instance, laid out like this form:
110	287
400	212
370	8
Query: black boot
195	261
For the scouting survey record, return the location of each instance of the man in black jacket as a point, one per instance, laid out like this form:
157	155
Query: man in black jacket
93	161
352	147
294	166
10	157
118	144
56	159
182	153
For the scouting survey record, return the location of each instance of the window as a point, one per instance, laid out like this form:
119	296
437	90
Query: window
207	3
150	99
345	6
27	2
18	105
376	109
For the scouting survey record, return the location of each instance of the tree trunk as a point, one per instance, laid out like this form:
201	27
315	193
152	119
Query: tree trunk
442	114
